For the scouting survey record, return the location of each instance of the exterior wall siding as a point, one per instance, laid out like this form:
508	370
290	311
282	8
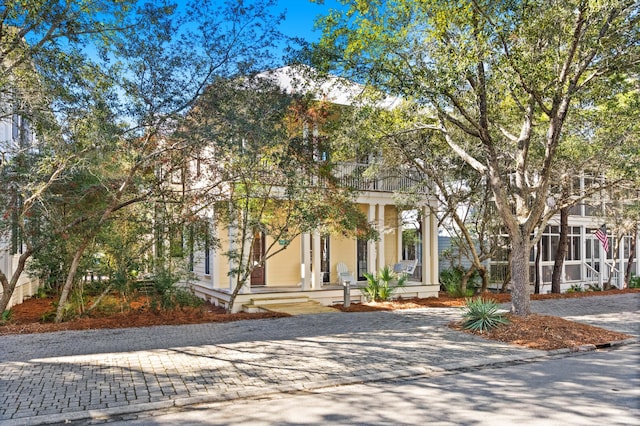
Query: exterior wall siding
283	269
391	235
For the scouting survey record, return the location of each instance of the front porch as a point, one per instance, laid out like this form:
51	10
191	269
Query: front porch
327	295
306	267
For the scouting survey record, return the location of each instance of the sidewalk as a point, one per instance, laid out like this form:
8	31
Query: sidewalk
50	378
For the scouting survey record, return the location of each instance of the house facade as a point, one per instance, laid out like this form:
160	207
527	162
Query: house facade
306	267
15	135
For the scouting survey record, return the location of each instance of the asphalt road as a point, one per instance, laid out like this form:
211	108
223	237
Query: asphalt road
592	388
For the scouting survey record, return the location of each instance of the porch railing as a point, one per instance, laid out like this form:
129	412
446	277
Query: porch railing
358	176
593	275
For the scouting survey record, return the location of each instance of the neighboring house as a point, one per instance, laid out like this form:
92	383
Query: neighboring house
15	134
586	263
450	256
308	267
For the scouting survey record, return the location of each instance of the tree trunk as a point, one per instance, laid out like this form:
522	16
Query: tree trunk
9	286
632	255
537	268
71	276
520	303
99	299
485	279
561	252
464	279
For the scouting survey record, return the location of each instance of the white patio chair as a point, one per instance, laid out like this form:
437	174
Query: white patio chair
344	275
411	266
405	267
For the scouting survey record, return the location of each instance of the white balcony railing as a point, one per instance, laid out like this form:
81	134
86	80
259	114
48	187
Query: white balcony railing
356	176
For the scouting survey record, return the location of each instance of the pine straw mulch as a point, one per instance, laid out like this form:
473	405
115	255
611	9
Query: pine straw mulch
536	331
547	333
27	317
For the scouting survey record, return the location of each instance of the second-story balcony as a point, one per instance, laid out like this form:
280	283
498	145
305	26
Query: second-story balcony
360	177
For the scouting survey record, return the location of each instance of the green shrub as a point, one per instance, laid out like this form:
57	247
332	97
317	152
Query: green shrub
575	288
6	317
42	292
451	280
381	286
166	295
482	315
594	287
48	316
634	282
185	297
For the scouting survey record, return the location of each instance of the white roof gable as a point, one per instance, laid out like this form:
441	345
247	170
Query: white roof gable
302	79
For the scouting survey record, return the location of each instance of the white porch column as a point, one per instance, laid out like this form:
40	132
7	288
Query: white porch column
399	237
305	261
583	253
381	229
538	247
435	256
429	247
621	261
214	257
425	260
603	265
371	251
317	273
215	268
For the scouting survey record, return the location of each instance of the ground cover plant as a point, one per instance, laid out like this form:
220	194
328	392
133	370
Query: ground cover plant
482	315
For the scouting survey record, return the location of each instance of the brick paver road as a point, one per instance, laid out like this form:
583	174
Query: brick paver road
52	377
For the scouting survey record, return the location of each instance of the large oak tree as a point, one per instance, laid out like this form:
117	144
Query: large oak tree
505	74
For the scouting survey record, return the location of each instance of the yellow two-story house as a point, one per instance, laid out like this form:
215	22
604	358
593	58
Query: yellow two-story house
317	265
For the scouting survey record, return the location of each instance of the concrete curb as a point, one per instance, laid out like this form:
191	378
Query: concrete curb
105	414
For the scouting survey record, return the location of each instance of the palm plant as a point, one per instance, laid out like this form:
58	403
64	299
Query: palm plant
383	285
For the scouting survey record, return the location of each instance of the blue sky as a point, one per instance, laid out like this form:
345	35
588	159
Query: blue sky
301	16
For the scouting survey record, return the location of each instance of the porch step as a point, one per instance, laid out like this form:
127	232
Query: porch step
278	300
291	308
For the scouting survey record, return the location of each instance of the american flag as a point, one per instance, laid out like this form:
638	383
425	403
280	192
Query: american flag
601	234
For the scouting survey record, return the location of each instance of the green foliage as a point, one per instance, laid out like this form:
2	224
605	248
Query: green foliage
594	287
43	292
110	305
482	315
381	286
48	316
72	307
575	288
5	317
183	297
166	294
451	279
634	281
